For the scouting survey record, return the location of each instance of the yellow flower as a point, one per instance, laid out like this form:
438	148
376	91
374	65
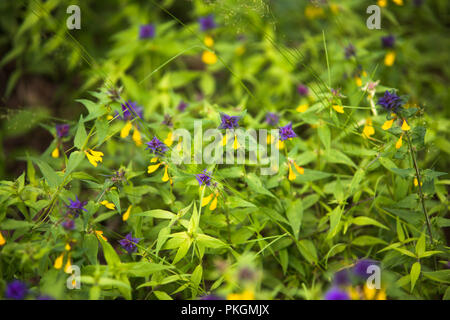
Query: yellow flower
126	215
68	265
236	144
59	261
388	124
108	205
292	174
358	81
353	293
368	129
302	108
405	126
389	58
137	137
165	177
369	294
67	247
208	199
269	139
280	145
398	2
169	140
99	234
209	57
246	295
382	3
208	41
381	295
399	143
416	182
126	129
2	240
109	117
154	167
338	108
94	156
55	153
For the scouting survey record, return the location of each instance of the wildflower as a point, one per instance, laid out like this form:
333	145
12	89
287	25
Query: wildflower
361	266
382	3
55	153
59	261
68	224
302	108
147	31
209	57
336	294
182	106
76	205
389	58
341	278
272	119
16	290
287	132
157	146
68	265
129	243
99	235
246	295
214	197
228	122
350	51
302	90
208	41
390	101
388	41
152	168
292	174
94	156
370	87
204	178
405	126
130	110
398	2
368	129
108	205
399	142
416	182
2	240
62	130
207	23
126	215
338	108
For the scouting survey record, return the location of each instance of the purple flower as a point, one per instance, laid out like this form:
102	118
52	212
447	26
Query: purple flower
302	90
211	297
341	278
272	118
182	106
167	120
130	110
360	268
129	243
350	51
336	294
228	122
286	132
204	178
388	41
390	101
76	205
147	31
207	22
62	130
156	146
68	224
16	290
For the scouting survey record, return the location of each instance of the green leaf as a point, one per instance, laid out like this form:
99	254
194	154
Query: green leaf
415	273
420	245
324	135
294	214
161	295
335	218
74	160
80	136
90	244
367	241
182	250
196	277
209	241
111	257
439	276
52	178
308	250
156	213
365	221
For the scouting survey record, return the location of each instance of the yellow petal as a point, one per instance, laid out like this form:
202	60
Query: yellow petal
55	153
224	140
97	154
59	262
368	131
381	295
369	293
405	126
299	169
168	141
399	143
208	41
166	174
137	137
154	159
338	108
280	145
91	159
209	57
206	200
389	58
2	240
126	130
358	81
108	205
67	247
68	264
235	143
269	139
302	108
398	2
354	295
109	117
248	295
387	124
153	168
292	175
99	234
213	205
382	3
126	215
